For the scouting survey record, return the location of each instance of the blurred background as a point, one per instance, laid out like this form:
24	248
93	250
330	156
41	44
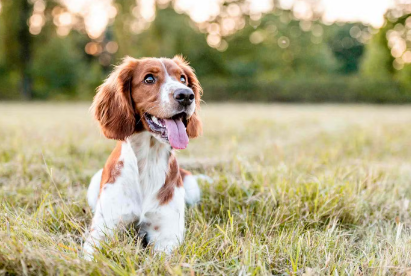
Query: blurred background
246	50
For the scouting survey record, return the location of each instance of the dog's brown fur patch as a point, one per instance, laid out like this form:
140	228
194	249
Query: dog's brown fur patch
112	168
173	179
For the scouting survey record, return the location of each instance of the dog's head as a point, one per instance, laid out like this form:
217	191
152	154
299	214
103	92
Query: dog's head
158	95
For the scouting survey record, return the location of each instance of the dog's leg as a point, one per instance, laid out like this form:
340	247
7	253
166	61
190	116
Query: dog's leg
114	208
192	190
164	227
94	190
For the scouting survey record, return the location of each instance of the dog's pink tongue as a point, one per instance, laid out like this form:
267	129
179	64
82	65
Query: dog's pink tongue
177	134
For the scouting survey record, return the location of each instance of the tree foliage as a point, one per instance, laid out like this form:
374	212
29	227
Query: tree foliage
274	57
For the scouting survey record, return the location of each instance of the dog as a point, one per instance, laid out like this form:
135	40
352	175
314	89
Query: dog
150	106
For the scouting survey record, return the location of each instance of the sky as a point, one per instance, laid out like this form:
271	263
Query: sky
97	13
368	11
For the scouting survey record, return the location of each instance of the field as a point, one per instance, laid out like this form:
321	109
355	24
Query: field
298	189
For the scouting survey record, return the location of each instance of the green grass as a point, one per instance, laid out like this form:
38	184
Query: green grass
298	189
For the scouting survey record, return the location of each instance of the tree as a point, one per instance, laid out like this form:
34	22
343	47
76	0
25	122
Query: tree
377	61
18	41
346	49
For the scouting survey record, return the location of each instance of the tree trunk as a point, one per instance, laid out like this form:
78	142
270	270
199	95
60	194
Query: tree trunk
24	39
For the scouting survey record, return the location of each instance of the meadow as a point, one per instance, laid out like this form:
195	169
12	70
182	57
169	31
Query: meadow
297	190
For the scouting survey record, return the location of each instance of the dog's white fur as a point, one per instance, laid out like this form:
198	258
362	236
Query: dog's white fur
133	197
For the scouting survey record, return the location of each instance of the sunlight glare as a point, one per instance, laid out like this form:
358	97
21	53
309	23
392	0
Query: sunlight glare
260	6
96	21
368	11
200	10
37	19
302	10
96	14
39	6
147	9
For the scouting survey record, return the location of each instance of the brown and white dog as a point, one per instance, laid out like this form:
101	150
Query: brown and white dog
150	106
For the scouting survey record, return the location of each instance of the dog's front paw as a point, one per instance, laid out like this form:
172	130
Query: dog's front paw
165	246
88	250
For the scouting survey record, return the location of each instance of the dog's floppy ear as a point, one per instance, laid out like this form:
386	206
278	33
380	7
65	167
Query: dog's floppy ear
194	125
113	106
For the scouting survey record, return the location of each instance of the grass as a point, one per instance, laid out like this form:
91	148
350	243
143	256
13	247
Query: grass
298	190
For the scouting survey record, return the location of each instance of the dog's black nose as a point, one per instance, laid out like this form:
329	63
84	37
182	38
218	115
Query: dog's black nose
184	96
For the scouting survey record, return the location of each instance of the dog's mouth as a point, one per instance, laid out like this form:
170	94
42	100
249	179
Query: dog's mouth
172	130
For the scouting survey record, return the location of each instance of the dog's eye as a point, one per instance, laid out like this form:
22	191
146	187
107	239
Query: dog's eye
183	79
149	79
